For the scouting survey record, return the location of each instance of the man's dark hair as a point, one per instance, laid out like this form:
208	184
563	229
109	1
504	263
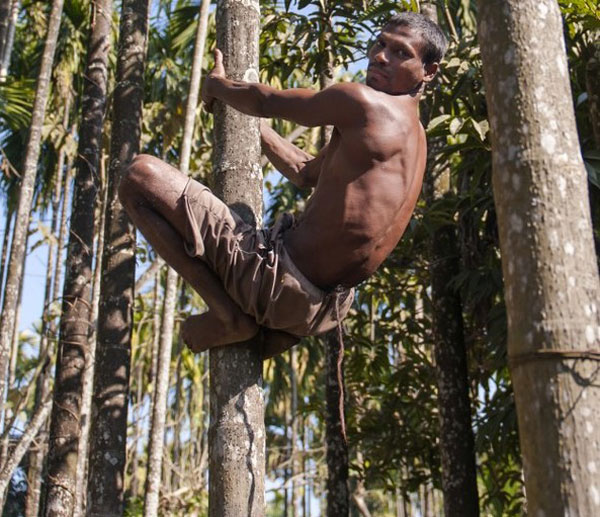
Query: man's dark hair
434	40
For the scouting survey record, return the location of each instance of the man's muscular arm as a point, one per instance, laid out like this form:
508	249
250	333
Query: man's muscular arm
339	105
301	168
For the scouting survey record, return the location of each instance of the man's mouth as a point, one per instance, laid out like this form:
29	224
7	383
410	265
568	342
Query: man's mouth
377	70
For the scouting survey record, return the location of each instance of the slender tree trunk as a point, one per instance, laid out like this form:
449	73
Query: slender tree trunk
37	455
205	425
192	101
14	353
176	479
73	347
5	6
358	496
457	444
107	455
338	496
237	433
286	470
150	273
10	38
32	152
138	423
35	493
159	407
37	420
62	233
159	410
156	312
88	374
5	247
295	469
548	260
14	349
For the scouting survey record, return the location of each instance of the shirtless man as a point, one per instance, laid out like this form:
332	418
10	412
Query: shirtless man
366	184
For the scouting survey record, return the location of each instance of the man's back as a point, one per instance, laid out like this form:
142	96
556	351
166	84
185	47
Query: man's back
368	185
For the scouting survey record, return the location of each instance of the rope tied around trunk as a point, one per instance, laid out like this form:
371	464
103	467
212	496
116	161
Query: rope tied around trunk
553	354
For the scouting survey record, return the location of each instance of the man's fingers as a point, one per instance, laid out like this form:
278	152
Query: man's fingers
218	56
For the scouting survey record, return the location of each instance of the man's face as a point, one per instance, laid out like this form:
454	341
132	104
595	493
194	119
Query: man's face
395	65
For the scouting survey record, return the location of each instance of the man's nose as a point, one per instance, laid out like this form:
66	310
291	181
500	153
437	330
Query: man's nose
381	57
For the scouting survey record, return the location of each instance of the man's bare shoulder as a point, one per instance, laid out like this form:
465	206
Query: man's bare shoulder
381	106
356	93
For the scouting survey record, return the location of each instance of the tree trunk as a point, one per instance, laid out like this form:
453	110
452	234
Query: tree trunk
88	375
175	478
5	6
12	368
63	191
32	152
10	38
548	260
295	467
134	486
37	420
62	233
338	495
457	447
108	440
14	349
73	346
159	406
36	456
237	433
147	275
457	444
5	246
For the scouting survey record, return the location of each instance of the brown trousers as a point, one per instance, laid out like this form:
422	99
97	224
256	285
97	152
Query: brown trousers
255	268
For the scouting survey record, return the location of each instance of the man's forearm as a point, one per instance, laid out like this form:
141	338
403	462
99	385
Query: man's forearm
245	97
288	159
250	98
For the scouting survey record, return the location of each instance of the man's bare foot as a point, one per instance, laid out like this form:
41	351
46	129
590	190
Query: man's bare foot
276	342
203	331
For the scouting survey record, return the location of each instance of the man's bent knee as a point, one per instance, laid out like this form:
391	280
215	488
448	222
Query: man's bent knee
136	175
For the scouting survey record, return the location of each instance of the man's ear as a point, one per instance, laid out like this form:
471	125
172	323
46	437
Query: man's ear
430	71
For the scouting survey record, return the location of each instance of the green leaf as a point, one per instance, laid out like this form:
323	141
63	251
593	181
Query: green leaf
456	125
436	121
